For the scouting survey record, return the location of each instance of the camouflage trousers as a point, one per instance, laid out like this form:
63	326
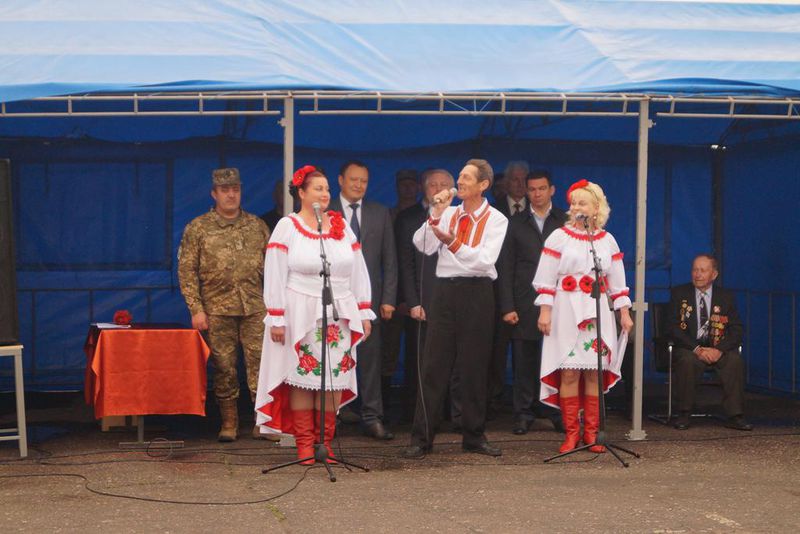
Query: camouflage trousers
225	333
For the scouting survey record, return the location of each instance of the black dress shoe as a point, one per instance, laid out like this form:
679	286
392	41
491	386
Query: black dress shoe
558	426
482	448
738	422
416	451
682	421
378	431
521	426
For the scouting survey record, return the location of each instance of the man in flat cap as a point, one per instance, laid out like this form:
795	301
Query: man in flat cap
221	274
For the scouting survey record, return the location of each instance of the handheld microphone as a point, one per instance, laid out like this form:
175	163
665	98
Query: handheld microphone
453	193
317	213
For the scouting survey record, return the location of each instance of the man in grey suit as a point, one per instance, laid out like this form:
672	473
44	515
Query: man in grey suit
372	225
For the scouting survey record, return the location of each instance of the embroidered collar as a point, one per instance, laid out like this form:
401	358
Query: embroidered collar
477	215
335	231
583	237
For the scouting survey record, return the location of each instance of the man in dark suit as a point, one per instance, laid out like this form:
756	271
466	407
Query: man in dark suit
707	333
418	276
372	225
514	202
274	215
519	260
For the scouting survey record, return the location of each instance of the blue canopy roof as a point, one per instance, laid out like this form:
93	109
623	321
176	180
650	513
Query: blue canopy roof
51	47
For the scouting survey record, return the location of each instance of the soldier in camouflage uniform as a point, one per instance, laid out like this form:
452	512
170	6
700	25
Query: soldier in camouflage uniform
221	273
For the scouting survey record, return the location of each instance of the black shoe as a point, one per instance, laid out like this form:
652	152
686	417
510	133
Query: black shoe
483	448
378	431
682	421
521	426
416	451
558	426
738	422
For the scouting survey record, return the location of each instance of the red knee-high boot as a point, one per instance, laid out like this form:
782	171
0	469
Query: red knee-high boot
591	422
304	434
330	431
569	416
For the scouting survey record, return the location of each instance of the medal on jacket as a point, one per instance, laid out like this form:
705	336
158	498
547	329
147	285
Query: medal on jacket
684	314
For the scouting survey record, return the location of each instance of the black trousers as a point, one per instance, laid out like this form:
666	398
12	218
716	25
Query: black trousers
730	370
496	379
459	338
527	365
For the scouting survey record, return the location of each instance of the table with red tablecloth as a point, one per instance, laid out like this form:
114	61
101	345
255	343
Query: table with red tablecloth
146	370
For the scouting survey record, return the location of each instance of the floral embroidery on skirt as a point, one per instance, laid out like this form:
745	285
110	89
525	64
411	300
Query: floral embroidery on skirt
309	358
584	353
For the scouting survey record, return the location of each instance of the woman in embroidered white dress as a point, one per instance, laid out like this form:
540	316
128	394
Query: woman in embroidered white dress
568	316
288	398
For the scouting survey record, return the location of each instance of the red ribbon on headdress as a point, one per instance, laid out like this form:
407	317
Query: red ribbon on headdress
300	174
580	184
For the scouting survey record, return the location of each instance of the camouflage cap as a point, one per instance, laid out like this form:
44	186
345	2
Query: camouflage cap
228	176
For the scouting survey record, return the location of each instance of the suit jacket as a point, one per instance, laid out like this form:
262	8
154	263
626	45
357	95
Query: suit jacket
378	248
725	326
519	260
417	271
502	207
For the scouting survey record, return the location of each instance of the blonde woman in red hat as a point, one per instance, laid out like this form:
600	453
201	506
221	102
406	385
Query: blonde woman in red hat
289	381
568	314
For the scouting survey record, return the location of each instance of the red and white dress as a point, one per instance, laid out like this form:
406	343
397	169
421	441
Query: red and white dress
564	281
292	293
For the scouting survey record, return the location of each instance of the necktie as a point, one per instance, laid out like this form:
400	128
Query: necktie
354	221
703	316
517	207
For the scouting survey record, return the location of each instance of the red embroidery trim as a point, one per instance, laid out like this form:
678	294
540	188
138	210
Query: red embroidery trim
364	305
278	312
583	237
623	293
356	246
279	246
433	222
617	256
550	252
311	235
544	291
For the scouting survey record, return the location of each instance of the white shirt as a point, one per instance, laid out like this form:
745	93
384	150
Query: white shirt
347	212
540	220
474	251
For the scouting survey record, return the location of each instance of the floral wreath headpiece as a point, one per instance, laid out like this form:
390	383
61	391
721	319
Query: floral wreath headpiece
300	174
580	184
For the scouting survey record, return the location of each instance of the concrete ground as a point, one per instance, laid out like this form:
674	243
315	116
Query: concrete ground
705	479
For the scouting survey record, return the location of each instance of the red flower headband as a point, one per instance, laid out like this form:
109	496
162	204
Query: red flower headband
300	174
580	184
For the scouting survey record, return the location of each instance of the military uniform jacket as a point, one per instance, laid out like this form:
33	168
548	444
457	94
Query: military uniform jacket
221	264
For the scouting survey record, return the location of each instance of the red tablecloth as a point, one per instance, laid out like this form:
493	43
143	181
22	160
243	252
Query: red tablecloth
145	370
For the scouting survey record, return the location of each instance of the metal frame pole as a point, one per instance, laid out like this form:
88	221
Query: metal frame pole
640	306
287	121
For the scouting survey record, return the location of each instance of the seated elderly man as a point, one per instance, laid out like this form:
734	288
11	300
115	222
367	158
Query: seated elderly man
707	332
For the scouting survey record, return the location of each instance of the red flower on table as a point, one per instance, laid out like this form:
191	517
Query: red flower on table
586	283
122	317
568	283
337	225
300	174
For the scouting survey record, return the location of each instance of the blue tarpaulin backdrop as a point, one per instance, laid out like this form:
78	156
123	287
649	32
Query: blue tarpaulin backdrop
100	203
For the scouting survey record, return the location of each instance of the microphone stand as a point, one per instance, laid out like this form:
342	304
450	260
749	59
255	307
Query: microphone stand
601	432
320	451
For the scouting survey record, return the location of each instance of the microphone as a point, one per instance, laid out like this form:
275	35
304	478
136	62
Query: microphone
453	193
581	217
317	213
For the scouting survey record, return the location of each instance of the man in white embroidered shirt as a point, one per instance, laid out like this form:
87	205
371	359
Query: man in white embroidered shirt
468	239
